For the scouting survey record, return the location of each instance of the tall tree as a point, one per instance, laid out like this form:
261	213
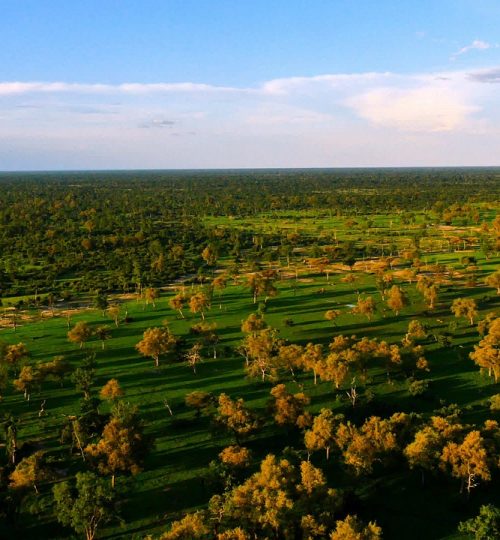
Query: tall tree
123	445
321	436
465	307
468	461
178	302
396	299
235	417
156	342
199	303
80	333
86	506
487	353
288	408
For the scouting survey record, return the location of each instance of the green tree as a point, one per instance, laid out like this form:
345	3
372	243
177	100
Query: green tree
485	526
86	506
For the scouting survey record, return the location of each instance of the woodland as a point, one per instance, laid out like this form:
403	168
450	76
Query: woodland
250	354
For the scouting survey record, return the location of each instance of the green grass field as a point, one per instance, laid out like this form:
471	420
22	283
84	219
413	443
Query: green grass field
172	480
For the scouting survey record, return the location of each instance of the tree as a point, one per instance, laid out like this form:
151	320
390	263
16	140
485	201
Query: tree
261	349
56	369
313	359
190	527
209	255
10	428
365	306
29	472
264	499
351	528
262	283
27	378
235	417
253	324
431	295
101	302
235	456
361	447
199	303
396	299
83	376
487	353
111	391
464	307
151	295
495	403
332	315
193	356
290	357
208	334
468	461
103	333
177	303
288	409
337	367
416	330
15	355
155	342
322	433
114	313
493	280
424	451
80	333
485	526
219	284
199	400
123	445
86	506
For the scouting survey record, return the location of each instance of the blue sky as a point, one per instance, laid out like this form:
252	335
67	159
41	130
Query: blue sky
213	83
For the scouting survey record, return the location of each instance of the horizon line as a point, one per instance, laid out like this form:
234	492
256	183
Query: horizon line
209	169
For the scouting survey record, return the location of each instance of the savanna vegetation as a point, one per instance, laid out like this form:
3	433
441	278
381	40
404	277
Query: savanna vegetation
285	354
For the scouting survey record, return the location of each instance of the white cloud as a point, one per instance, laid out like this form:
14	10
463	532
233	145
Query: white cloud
425	109
477	44
16	88
328	119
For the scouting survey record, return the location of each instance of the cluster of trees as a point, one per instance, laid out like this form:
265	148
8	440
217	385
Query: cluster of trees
89	231
107	444
347	359
289	497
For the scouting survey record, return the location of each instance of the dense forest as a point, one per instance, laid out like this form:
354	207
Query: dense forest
242	354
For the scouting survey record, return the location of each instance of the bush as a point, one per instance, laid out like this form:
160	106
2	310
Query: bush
495	403
418	388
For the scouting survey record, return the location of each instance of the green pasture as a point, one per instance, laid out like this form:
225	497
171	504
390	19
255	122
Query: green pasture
172	481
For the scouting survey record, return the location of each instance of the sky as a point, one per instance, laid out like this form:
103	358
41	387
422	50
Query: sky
169	84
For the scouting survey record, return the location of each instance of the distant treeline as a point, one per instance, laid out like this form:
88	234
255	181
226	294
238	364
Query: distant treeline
83	231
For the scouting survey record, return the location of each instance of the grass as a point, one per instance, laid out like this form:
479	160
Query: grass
171	482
